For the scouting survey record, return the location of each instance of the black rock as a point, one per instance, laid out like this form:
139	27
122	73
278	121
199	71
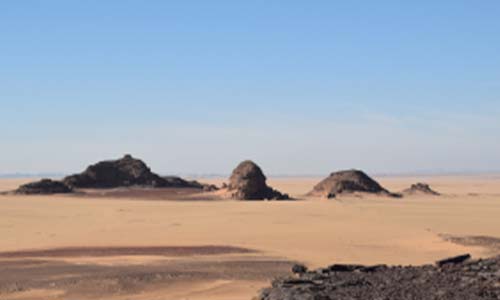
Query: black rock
247	182
453	260
374	268
44	186
299	269
344	268
349	181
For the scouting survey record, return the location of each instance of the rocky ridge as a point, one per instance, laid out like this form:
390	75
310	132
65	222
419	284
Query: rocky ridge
124	172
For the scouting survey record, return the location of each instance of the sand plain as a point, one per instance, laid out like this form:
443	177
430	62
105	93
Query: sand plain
274	234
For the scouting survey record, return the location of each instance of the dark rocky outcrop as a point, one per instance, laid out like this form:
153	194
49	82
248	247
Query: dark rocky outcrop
420	189
127	172
247	182
455	278
123	172
44	187
348	181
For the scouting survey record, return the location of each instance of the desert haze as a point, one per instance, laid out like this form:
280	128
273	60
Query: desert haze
104	247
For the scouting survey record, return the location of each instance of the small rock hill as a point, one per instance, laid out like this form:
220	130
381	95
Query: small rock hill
420	189
348	181
248	182
44	186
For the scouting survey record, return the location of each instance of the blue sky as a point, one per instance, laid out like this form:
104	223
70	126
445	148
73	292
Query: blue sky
301	87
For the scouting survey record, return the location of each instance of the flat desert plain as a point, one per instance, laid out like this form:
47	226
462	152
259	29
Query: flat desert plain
74	247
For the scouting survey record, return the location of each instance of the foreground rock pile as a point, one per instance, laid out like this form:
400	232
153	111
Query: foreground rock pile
348	181
420	189
452	279
247	182
44	186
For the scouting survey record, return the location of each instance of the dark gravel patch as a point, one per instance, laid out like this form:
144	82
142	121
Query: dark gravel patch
86	280
489	243
127	251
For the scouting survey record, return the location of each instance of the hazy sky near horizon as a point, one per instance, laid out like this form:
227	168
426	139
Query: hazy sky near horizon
301	87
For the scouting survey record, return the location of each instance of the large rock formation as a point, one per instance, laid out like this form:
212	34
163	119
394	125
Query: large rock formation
247	182
420	189
126	172
347	182
451	279
123	172
44	186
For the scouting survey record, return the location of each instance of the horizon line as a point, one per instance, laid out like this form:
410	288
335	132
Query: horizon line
20	175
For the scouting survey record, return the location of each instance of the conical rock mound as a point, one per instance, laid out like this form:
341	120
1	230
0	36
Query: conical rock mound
348	181
248	182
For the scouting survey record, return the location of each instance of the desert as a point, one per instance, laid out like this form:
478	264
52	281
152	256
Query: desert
129	247
249	150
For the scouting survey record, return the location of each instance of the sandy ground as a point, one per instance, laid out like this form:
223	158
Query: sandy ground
317	232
